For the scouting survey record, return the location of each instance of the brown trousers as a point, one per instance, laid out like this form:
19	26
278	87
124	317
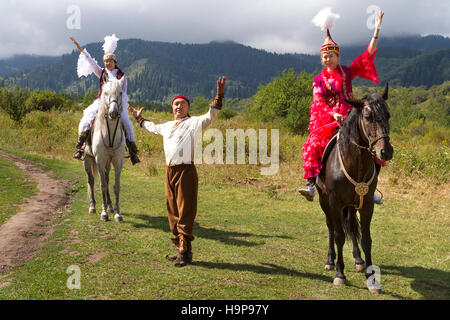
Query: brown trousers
181	198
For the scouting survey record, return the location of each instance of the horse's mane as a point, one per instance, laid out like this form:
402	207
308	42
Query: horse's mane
110	86
350	127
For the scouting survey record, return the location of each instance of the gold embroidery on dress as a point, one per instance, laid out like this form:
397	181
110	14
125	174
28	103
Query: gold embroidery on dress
331	101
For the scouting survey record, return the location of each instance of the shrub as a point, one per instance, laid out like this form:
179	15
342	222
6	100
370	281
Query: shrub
287	98
47	100
12	100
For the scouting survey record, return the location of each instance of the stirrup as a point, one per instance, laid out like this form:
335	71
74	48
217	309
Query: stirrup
308	193
377	199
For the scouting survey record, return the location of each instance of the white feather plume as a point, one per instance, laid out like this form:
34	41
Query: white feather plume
110	44
325	19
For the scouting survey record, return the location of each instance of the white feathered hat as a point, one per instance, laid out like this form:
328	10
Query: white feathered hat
109	47
325	19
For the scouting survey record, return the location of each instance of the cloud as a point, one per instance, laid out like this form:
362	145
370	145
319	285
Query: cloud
40	27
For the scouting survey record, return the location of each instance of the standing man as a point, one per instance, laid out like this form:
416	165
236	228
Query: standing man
181	183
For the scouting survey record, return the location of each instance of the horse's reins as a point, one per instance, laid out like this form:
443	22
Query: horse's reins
111	142
372	143
361	188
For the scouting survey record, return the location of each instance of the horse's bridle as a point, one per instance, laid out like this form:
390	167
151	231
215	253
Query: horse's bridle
111	142
361	188
114	100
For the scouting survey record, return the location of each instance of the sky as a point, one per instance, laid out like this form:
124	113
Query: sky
43	27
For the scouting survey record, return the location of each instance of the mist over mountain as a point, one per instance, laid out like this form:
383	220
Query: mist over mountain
158	70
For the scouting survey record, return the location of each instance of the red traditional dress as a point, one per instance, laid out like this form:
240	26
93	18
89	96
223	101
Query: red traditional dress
330	89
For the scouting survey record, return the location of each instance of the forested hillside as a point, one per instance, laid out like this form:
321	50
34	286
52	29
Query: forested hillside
20	63
157	70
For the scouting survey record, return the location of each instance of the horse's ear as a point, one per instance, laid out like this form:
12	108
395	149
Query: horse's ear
384	94
356	103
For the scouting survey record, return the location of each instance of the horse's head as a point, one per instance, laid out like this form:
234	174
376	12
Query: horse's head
374	123
112	97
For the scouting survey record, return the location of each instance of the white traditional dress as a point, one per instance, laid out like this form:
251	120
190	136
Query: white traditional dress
86	66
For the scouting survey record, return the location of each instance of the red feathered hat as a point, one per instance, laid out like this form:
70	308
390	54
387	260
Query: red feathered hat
325	19
329	45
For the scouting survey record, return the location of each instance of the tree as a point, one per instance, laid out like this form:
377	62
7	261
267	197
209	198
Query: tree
12	100
47	100
286	98
199	106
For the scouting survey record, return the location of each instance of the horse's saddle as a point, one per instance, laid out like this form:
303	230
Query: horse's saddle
328	148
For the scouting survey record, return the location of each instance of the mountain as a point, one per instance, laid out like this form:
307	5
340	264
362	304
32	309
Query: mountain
159	70
24	62
417	42
407	60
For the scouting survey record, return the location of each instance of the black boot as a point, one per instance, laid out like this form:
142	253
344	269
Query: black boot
81	139
133	150
176	242
184	256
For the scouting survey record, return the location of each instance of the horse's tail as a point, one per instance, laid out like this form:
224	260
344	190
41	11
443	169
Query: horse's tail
351	224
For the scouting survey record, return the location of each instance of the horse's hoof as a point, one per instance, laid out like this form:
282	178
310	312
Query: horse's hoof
118	218
110	210
338	281
104	217
92	210
329	267
375	290
360	267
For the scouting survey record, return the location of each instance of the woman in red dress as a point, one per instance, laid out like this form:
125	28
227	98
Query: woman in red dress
330	89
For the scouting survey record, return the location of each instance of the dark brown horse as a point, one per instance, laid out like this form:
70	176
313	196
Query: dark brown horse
364	135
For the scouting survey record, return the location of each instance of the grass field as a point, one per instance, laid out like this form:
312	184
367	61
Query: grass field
15	187
255	238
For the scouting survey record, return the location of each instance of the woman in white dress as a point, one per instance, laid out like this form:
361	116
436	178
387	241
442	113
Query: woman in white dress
88	65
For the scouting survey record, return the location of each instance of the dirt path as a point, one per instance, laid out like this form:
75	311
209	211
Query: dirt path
23	234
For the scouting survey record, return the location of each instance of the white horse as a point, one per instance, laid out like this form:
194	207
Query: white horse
108	146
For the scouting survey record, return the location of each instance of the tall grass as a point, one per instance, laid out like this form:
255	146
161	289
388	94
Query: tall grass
255	238
55	133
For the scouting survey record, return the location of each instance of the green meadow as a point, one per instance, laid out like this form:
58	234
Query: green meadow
255	237
15	187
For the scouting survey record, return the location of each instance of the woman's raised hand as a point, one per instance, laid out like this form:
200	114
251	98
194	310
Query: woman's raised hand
379	20
76	44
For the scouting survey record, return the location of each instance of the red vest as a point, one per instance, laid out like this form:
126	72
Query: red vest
119	76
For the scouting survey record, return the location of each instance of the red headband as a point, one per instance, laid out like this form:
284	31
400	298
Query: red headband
181	97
